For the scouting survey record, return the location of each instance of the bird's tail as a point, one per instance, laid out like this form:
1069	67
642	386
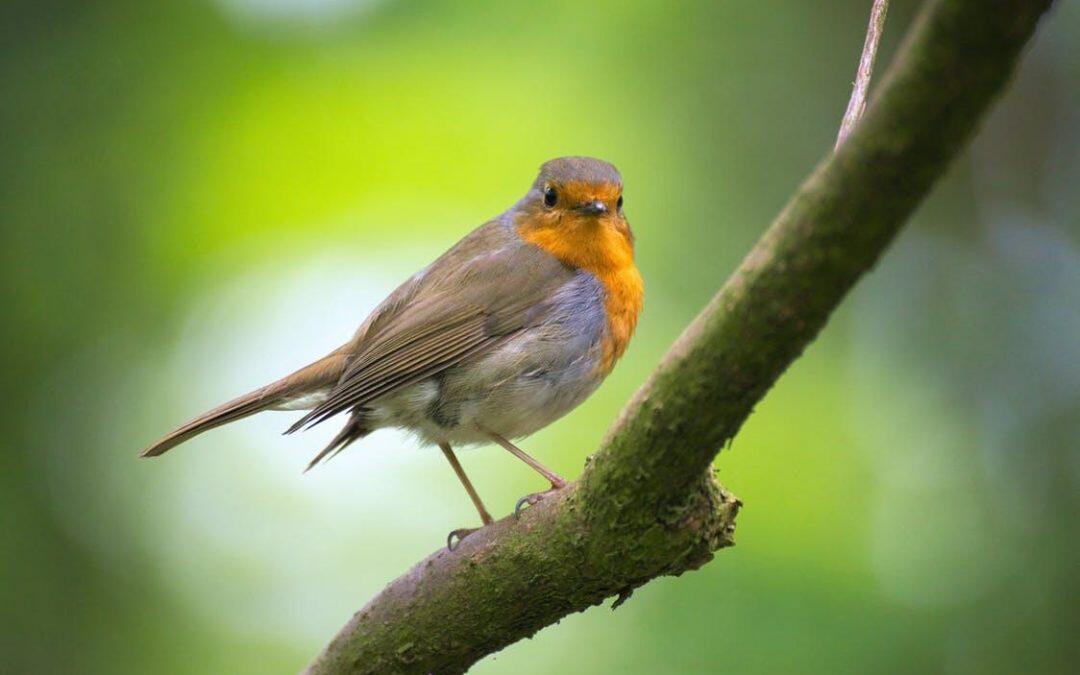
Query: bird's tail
320	375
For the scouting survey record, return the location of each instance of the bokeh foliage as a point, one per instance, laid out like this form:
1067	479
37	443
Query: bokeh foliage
197	196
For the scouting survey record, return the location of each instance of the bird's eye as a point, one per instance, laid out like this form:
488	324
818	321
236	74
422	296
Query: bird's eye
618	203
550	197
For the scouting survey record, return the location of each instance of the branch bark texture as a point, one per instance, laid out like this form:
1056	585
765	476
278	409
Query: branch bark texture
646	504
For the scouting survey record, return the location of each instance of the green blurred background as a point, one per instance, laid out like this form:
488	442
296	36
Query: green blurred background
196	197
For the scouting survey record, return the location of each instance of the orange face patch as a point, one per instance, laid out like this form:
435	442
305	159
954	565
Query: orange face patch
580	192
602	245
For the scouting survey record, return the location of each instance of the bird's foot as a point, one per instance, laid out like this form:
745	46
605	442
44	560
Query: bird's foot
457	536
537	497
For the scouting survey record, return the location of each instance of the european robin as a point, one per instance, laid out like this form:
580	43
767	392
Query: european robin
503	334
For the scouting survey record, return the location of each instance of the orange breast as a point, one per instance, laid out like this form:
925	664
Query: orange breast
606	250
625	294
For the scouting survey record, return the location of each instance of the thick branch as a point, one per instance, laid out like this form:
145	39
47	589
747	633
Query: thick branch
646	504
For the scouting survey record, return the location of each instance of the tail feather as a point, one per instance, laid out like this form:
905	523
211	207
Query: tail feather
321	374
354	430
238	408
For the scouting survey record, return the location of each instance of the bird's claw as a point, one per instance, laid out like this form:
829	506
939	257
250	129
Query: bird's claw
459	536
533	499
527	499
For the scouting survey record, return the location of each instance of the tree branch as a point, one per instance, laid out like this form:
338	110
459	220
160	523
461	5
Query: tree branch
857	103
646	504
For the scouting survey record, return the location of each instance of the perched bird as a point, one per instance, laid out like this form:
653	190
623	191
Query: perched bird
503	334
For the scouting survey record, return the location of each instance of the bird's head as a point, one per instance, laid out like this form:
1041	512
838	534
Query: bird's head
575	209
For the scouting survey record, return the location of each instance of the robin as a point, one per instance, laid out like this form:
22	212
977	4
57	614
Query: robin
503	334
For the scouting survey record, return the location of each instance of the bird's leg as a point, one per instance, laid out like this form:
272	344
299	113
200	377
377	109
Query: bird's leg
485	517
557	481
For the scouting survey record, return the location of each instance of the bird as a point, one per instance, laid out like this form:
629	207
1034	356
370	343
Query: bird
509	330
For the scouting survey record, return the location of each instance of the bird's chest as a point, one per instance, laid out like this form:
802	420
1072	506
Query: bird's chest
623	299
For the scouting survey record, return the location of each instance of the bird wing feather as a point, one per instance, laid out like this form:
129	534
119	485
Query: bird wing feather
481	291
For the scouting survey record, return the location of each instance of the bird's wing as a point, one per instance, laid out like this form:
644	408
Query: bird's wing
468	301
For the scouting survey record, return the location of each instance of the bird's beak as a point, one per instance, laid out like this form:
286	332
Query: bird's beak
593	208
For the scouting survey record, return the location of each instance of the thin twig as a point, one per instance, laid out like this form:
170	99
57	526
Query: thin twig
857	104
